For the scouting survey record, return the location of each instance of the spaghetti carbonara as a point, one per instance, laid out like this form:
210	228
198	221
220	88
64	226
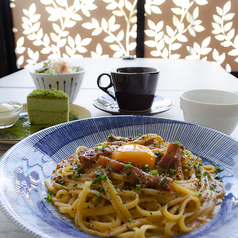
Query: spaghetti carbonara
136	187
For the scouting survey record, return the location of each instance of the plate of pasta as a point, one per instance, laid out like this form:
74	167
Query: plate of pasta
122	176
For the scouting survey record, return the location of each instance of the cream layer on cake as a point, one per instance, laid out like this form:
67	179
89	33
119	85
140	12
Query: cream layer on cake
48	107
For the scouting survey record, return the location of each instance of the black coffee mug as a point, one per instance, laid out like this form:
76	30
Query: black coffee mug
134	87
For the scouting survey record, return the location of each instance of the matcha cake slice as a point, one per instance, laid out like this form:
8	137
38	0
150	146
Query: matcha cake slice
48	107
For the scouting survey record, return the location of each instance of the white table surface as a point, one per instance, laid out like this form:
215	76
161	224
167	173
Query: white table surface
175	77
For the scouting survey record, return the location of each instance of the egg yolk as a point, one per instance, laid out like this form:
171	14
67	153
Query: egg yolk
138	155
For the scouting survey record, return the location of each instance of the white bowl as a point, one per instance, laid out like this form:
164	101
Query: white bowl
9	113
215	109
69	83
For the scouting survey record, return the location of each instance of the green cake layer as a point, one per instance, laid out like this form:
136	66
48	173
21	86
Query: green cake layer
48	107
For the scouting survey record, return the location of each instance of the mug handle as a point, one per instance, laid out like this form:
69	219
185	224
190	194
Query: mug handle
105	89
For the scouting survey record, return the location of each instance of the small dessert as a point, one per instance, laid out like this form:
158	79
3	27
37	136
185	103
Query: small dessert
57	66
9	113
48	107
6	108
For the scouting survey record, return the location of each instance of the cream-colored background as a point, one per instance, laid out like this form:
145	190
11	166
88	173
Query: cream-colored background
188	29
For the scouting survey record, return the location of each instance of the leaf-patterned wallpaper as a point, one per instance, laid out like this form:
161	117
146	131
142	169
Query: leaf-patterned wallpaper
193	30
186	29
74	28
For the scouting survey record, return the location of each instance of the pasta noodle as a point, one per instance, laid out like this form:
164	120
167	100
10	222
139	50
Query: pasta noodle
136	187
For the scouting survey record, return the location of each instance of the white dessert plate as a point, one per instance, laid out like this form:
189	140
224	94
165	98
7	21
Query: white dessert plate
26	165
23	128
107	104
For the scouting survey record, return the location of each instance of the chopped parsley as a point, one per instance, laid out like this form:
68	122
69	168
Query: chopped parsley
138	186
79	171
128	165
219	169
177	143
154	172
172	171
157	153
99	176
103	177
162	181
207	174
110	136
99	173
212	187
145	166
49	197
97	195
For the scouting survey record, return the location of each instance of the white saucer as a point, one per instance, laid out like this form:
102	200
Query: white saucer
107	104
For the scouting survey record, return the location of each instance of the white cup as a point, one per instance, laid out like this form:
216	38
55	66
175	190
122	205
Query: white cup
215	109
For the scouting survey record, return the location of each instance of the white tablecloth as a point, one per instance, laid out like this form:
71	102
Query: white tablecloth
175	77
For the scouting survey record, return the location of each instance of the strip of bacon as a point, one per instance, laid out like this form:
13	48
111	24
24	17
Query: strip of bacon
136	175
172	159
90	156
115	165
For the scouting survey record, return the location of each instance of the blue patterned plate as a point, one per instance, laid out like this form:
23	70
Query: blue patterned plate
27	164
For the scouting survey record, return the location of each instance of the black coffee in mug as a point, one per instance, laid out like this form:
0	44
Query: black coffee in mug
134	87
